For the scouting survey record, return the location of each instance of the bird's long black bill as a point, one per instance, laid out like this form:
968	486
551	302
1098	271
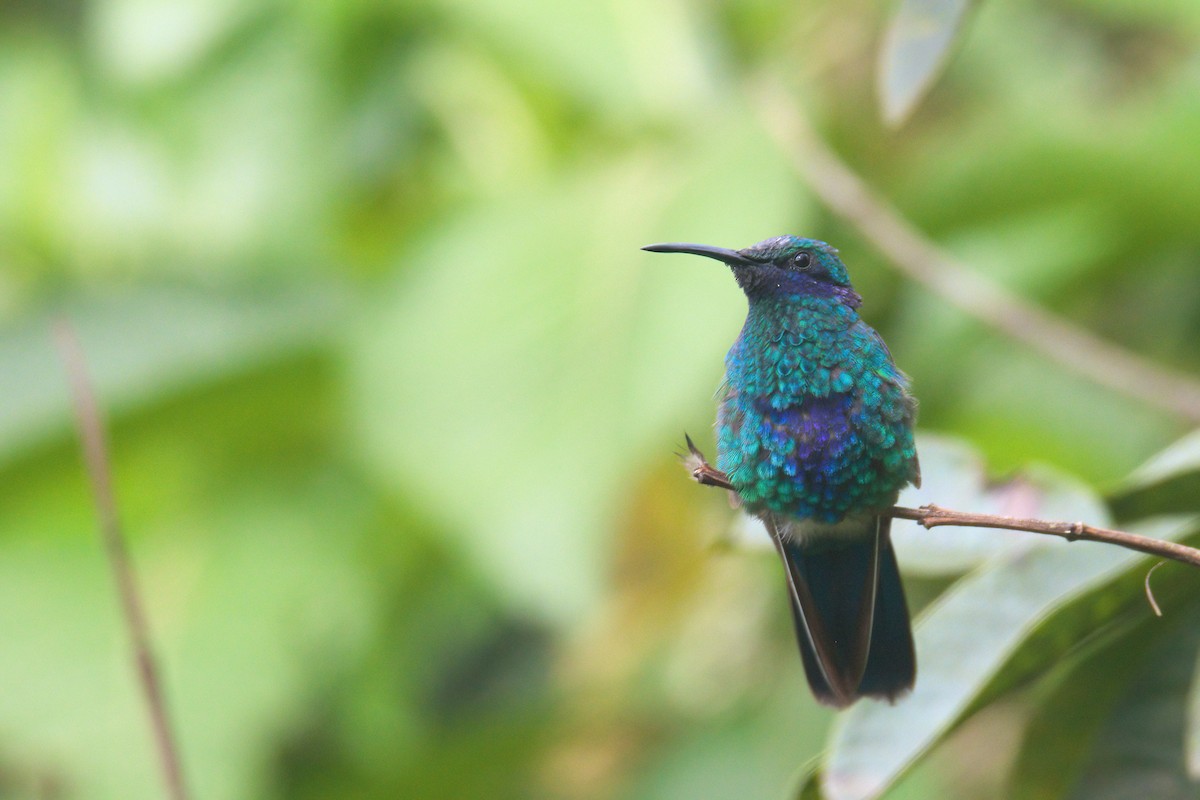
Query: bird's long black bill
708	251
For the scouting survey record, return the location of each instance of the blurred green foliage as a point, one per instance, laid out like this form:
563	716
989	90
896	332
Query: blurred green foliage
393	395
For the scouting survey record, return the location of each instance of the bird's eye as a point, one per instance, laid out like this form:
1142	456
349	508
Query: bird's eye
802	260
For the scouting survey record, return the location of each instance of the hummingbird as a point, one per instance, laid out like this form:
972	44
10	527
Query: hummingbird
815	435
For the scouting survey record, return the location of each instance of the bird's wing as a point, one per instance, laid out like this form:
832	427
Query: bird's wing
873	353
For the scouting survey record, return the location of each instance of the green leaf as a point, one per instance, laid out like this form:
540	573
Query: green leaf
1079	695
810	788
964	642
1139	750
143	344
1167	483
145	42
916	48
1112	715
616	59
1193	729
1108	605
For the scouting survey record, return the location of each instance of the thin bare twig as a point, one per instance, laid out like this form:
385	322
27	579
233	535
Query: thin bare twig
932	516
1150	592
95	453
849	196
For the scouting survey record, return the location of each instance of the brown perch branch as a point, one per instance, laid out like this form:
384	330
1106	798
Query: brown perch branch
931	516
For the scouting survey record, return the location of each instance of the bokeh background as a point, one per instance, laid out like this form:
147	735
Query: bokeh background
394	396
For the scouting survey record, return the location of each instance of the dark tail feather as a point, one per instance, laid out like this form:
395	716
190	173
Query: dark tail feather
850	615
892	664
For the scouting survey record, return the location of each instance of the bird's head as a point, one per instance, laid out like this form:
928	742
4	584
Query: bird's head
785	265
